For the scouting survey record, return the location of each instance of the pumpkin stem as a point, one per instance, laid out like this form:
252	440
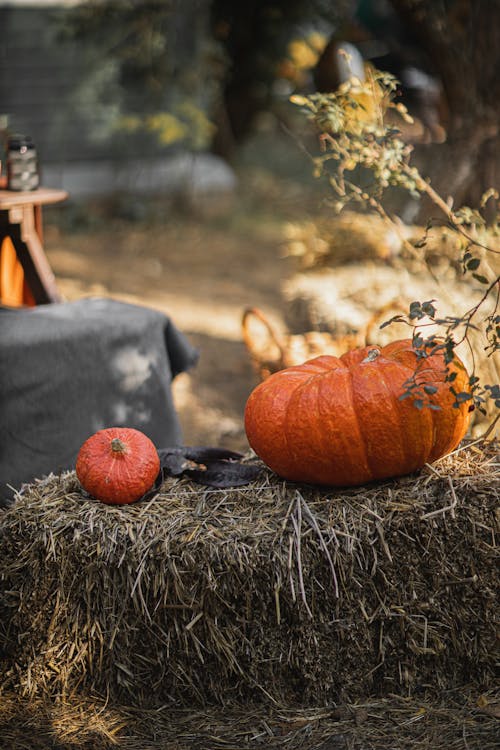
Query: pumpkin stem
118	446
372	355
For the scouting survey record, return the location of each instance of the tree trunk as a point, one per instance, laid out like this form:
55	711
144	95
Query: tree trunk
462	38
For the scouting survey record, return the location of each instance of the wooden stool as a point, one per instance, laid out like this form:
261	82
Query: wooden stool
26	277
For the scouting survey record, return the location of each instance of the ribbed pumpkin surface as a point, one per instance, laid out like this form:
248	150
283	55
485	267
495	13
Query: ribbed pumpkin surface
340	420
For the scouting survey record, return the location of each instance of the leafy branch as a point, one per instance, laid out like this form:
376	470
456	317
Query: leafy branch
362	156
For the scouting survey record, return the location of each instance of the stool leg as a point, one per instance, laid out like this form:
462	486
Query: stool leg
31	255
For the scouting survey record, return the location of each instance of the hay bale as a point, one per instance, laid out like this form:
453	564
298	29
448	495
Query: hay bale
347	237
288	592
344	300
353	237
460	720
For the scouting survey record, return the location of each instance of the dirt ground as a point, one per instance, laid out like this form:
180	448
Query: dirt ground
201	264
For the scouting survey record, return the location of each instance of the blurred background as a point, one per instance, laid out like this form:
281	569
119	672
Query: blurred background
114	93
188	169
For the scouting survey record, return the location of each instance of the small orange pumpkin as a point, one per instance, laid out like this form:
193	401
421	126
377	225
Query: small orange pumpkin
341	421
117	465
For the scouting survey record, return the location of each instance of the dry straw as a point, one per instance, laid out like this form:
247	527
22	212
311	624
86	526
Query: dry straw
462	720
275	592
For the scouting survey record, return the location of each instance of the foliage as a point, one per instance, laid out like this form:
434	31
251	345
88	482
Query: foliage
361	157
187	122
165	69
163	72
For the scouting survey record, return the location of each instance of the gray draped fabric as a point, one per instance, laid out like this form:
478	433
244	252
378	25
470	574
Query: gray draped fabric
70	369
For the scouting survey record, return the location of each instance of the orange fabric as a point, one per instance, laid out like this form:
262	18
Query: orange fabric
14	291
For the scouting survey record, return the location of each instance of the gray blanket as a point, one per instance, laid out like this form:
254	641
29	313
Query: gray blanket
70	369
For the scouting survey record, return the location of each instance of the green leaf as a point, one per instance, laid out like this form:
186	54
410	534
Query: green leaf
302	101
473	264
429	308
404	395
418	341
420	243
394	319
491	193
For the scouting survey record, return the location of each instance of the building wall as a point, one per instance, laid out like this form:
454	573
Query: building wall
38	74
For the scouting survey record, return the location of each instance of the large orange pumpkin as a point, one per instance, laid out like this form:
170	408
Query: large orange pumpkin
340	420
117	465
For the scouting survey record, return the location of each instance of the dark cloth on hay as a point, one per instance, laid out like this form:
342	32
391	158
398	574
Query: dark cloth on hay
70	369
